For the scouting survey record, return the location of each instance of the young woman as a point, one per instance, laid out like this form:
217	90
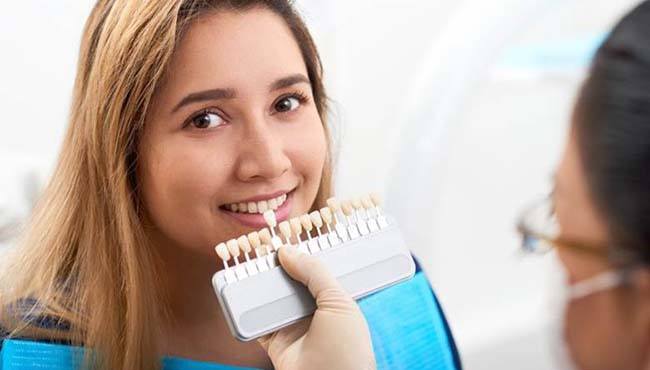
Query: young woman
188	117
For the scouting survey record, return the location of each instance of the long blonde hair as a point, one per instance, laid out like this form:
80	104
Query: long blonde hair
85	262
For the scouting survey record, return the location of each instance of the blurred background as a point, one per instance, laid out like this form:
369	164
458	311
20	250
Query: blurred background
456	111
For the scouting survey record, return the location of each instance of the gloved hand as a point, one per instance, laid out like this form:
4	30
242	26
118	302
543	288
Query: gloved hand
335	337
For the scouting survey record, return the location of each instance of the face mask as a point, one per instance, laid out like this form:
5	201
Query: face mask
562	295
559	302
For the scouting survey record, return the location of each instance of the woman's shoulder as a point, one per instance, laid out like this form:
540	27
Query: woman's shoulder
29	312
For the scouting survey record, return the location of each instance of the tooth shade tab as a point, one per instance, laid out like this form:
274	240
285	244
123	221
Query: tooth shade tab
222	251
367	203
376	199
254	239
356	203
334	204
315	219
306	223
326	215
296	227
269	217
347	208
244	245
265	236
233	247
252	207
261	251
285	229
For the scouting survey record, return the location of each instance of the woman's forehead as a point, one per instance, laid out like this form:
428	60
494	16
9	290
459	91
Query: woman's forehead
238	50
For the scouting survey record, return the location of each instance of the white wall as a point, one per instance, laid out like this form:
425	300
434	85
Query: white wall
502	122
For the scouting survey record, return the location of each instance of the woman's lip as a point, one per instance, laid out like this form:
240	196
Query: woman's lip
258	198
256	220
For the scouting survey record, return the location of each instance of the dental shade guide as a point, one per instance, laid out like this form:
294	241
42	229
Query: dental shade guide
257	297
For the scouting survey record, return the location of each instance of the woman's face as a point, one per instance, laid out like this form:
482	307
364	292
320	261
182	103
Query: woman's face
608	329
232	130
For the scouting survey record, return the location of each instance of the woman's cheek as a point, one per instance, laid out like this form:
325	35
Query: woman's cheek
314	143
180	189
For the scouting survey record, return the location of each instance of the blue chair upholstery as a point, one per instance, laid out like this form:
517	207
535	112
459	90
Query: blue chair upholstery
407	325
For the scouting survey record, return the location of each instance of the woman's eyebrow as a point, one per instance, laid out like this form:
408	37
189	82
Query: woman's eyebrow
288	81
213	94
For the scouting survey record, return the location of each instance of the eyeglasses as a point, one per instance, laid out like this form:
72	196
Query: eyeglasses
540	232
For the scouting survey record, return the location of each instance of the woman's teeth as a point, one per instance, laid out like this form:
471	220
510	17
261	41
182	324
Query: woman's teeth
257	207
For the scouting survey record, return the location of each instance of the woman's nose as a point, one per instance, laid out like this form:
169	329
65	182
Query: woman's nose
262	154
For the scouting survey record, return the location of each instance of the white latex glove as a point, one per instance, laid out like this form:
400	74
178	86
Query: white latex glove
335	337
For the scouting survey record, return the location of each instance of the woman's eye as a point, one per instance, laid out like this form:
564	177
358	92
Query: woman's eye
207	120
287	104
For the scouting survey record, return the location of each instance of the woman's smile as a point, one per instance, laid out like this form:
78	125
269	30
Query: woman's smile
249	212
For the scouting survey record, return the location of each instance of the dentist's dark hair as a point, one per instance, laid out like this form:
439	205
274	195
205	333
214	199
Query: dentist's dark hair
612	123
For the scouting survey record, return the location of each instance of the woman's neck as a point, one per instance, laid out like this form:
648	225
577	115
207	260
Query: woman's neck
196	327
